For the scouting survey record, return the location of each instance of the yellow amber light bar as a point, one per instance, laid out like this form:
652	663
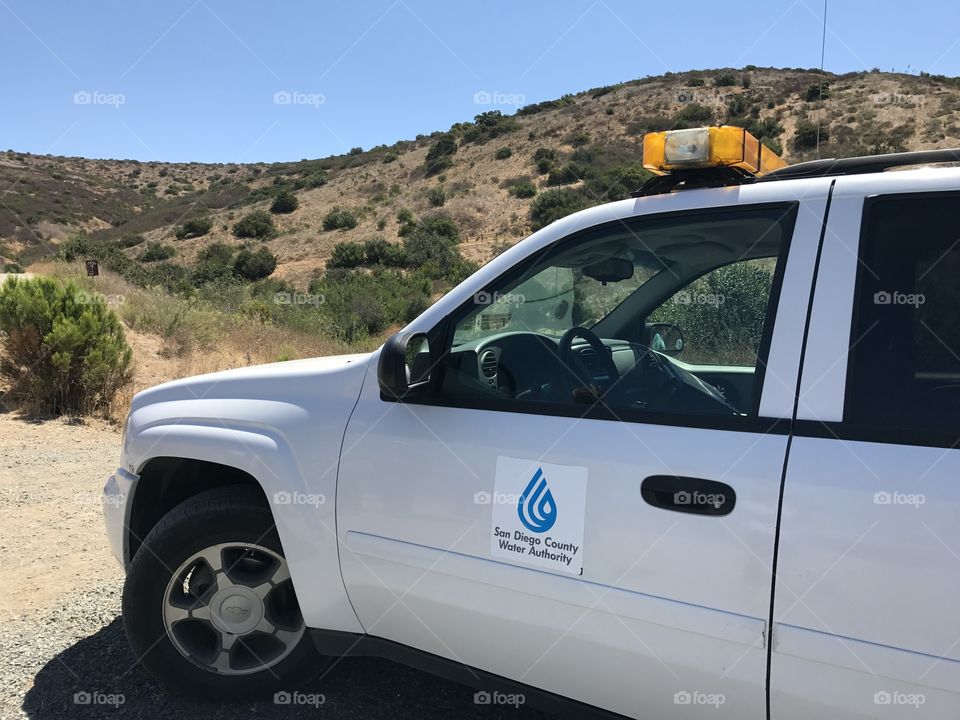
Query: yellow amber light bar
725	146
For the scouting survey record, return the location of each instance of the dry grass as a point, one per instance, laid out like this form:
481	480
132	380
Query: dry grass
173	337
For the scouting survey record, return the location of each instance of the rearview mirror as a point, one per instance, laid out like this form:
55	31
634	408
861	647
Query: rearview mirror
404	364
609	270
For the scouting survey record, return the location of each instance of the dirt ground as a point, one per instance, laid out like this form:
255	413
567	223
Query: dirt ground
52	536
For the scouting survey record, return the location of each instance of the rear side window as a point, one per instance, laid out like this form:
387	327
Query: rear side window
905	343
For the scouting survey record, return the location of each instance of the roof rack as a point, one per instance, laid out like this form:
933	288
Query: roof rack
861	165
693	179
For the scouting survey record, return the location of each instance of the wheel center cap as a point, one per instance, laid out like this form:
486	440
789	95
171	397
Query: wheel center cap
236	610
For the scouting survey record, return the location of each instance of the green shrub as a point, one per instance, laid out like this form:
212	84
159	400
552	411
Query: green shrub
811	93
194	228
524	189
618	182
258	224
545	159
358	304
569	173
347	255
579	139
256	264
692	115
503	153
439	155
284	202
155	252
555	204
437	196
13	267
696	81
339	219
130	240
378	251
214	262
64	351
805	136
725	79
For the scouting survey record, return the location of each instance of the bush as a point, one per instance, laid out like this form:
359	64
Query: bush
257	224
569	173
13	267
617	183
553	205
130	240
284	202
378	251
358	304
692	115
197	227
339	219
725	79
439	155
214	262
525	189
545	159
805	136
811	93
503	153
155	252
347	255
63	350
437	196
256	264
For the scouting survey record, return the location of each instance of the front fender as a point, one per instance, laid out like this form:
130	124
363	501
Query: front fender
292	450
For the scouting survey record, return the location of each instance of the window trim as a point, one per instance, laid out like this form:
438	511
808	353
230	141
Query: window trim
847	429
441	335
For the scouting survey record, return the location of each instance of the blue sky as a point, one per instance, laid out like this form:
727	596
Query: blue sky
243	81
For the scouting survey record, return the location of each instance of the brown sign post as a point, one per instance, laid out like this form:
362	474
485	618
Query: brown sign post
93	268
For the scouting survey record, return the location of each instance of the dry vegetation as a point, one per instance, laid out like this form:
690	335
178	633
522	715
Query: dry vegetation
591	137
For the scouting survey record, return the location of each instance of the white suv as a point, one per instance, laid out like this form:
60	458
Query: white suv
691	454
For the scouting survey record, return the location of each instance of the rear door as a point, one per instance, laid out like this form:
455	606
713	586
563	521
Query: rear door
516	536
866	618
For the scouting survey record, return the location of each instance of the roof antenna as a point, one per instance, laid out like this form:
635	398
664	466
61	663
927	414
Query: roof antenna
823	47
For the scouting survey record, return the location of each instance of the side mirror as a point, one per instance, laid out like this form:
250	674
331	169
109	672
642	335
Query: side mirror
665	338
404	364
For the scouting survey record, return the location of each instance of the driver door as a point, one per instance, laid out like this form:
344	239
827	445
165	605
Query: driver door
612	549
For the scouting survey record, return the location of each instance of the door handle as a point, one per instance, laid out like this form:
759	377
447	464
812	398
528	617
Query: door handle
689	495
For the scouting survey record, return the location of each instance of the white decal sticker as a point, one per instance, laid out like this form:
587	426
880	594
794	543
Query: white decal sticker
542	523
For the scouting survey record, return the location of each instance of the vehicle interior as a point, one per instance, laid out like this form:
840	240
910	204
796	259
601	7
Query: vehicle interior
600	319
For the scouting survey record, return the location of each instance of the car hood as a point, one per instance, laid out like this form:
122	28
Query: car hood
292	381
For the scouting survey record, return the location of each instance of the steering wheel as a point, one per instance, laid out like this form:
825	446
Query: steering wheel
573	360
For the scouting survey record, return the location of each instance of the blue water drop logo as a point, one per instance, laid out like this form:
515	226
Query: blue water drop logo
537	509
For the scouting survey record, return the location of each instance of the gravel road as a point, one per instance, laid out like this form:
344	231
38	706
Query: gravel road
63	653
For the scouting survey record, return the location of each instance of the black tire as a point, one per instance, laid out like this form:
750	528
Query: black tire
224	515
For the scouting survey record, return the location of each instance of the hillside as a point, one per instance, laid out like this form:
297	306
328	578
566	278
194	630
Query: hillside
45	199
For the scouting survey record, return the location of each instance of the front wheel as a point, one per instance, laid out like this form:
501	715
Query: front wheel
209	606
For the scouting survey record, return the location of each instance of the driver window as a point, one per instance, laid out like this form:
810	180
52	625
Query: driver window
562	330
